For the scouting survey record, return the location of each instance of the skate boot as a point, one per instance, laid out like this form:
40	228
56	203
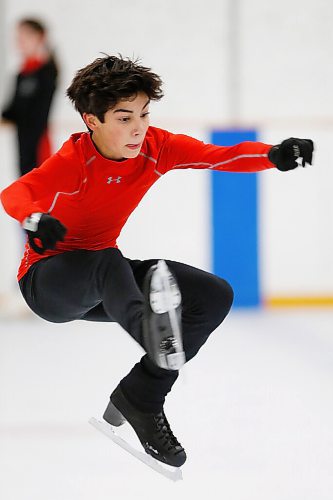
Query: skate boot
152	429
162	331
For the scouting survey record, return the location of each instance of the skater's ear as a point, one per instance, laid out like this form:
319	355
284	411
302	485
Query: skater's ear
91	121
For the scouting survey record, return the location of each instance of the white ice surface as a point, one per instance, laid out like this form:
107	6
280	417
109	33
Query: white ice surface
254	411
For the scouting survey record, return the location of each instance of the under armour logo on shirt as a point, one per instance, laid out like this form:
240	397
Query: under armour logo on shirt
117	179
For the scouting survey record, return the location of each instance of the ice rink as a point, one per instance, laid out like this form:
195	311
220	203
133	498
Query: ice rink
254	408
254	411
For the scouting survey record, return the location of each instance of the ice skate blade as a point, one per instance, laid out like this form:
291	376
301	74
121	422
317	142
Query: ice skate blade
164	292
173	361
174	473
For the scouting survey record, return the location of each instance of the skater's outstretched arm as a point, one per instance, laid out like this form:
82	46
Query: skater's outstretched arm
34	192
181	151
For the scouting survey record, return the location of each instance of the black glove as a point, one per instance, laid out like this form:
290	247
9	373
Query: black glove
46	228
284	155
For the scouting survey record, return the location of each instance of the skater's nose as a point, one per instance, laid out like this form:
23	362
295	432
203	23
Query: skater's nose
139	128
137	131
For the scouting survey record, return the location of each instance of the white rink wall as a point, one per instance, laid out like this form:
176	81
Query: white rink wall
296	214
284	89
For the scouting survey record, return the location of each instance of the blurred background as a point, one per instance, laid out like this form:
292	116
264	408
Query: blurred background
232	69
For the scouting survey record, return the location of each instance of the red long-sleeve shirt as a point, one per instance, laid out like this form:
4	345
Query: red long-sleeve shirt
94	196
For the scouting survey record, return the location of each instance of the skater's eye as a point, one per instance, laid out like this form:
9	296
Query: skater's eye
125	119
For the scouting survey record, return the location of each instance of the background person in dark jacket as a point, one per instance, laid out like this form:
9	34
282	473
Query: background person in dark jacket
35	84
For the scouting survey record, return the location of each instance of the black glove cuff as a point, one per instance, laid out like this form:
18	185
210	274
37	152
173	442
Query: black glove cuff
273	154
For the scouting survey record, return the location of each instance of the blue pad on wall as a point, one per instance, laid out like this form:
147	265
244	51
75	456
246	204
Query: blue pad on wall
235	224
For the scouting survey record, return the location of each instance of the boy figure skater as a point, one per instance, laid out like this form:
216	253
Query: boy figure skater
73	208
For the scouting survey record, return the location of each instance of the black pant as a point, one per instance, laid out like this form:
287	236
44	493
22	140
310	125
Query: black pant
105	286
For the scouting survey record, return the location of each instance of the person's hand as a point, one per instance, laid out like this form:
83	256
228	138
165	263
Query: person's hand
47	229
286	154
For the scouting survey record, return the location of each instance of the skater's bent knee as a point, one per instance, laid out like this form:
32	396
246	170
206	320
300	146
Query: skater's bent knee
223	292
220	300
227	292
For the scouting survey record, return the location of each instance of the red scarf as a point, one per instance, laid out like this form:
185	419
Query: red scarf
31	64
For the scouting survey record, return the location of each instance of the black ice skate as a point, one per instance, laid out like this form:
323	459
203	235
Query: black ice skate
162	332
152	429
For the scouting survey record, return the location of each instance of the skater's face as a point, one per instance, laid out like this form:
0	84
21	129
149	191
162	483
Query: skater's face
124	128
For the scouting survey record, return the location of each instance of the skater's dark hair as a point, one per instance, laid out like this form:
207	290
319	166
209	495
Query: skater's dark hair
98	87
